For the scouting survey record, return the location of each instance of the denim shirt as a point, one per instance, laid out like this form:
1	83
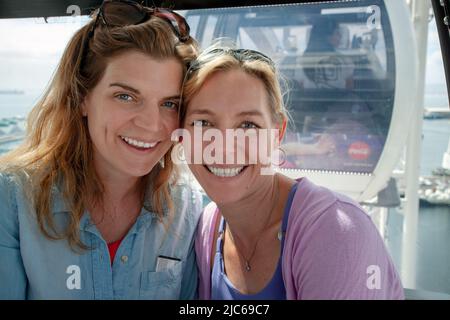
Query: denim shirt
34	267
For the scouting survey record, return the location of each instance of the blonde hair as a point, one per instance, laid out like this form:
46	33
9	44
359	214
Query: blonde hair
58	148
218	58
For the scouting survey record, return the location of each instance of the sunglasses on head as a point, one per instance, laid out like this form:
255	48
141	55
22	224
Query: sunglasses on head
239	54
120	13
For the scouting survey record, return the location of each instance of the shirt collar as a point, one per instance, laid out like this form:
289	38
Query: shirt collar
144	219
60	205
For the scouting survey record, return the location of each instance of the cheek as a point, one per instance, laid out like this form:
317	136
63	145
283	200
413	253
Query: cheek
95	126
105	115
105	126
267	143
188	144
170	122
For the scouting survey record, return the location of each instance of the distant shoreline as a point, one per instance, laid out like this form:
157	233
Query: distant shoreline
11	138
12	92
436	113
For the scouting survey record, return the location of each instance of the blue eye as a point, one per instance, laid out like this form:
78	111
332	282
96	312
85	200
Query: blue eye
170	105
200	123
248	125
125	97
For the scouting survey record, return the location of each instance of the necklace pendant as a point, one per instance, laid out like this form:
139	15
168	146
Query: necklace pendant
247	266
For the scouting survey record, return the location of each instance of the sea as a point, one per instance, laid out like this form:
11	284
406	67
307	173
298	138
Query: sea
433	244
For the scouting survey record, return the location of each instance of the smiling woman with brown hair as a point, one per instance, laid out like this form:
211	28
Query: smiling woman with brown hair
94	176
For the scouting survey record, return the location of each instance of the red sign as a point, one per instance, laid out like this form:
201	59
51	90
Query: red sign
359	150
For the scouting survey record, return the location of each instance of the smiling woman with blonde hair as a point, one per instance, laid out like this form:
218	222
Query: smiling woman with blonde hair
268	236
89	207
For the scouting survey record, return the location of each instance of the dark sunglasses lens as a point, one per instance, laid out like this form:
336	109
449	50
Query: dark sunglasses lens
121	14
260	56
178	22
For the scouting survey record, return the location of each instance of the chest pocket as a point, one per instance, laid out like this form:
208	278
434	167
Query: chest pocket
162	285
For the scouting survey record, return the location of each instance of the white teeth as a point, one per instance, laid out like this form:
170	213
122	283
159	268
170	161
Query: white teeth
225	172
139	144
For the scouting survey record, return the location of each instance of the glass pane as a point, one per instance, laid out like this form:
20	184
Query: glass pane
29	54
337	60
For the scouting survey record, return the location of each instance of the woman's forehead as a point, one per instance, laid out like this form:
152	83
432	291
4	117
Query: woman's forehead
143	72
231	93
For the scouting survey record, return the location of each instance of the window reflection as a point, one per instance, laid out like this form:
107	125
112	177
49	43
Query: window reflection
339	70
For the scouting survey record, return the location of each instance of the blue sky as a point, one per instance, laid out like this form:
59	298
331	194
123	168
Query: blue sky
31	49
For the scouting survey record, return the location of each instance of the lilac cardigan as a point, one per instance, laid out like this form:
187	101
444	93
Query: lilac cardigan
332	250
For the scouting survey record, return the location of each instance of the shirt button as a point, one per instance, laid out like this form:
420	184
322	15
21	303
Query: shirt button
124	259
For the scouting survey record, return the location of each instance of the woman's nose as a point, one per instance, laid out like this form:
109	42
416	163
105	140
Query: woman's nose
233	148
149	117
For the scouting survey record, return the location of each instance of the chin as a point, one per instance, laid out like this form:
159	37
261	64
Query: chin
225	197
140	171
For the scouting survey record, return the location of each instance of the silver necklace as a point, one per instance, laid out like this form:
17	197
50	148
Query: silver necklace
247	261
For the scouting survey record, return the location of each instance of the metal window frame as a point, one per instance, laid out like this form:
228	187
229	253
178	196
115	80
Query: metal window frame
441	10
57	8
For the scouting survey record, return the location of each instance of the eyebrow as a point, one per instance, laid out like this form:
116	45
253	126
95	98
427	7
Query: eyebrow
201	111
126	87
251	113
240	114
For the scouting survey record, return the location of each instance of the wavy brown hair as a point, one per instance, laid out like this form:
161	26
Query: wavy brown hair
58	151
